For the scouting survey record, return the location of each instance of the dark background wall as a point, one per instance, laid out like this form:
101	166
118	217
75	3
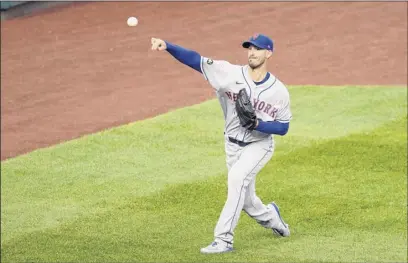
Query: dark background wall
12	9
4	5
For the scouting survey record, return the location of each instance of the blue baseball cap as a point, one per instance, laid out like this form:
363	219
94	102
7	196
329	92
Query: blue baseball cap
260	41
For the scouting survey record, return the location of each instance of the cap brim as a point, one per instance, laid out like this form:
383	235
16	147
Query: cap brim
247	44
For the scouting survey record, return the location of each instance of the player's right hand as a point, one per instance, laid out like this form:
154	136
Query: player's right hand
158	44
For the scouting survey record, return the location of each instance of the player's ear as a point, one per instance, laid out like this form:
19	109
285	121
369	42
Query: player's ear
268	54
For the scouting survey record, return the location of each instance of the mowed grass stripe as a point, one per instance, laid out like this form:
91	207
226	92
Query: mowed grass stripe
329	112
345	200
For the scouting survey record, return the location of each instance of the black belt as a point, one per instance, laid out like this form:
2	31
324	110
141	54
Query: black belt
240	143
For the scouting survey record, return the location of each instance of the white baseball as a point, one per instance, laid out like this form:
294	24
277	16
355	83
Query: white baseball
132	21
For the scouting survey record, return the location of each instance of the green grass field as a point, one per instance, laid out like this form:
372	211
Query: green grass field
151	191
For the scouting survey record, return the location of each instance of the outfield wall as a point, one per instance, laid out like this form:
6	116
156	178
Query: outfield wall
5	5
12	9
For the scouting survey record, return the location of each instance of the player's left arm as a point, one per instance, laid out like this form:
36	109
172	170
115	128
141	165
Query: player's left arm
272	127
280	125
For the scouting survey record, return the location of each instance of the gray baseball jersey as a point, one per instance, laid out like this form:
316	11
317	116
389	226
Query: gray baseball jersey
270	99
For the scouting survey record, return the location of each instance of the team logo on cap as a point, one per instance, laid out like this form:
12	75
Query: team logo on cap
255	36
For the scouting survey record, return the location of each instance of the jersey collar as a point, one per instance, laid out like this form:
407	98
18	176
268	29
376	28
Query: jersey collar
264	80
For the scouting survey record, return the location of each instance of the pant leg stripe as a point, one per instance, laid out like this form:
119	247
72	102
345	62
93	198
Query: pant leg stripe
240	193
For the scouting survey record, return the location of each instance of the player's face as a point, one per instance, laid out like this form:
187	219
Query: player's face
257	57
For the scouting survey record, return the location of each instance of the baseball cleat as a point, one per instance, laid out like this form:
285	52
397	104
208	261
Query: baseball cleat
279	228
217	247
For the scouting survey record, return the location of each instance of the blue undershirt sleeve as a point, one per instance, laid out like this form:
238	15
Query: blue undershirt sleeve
272	127
188	57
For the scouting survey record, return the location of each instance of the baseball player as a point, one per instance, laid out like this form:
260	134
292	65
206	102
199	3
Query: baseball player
256	107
